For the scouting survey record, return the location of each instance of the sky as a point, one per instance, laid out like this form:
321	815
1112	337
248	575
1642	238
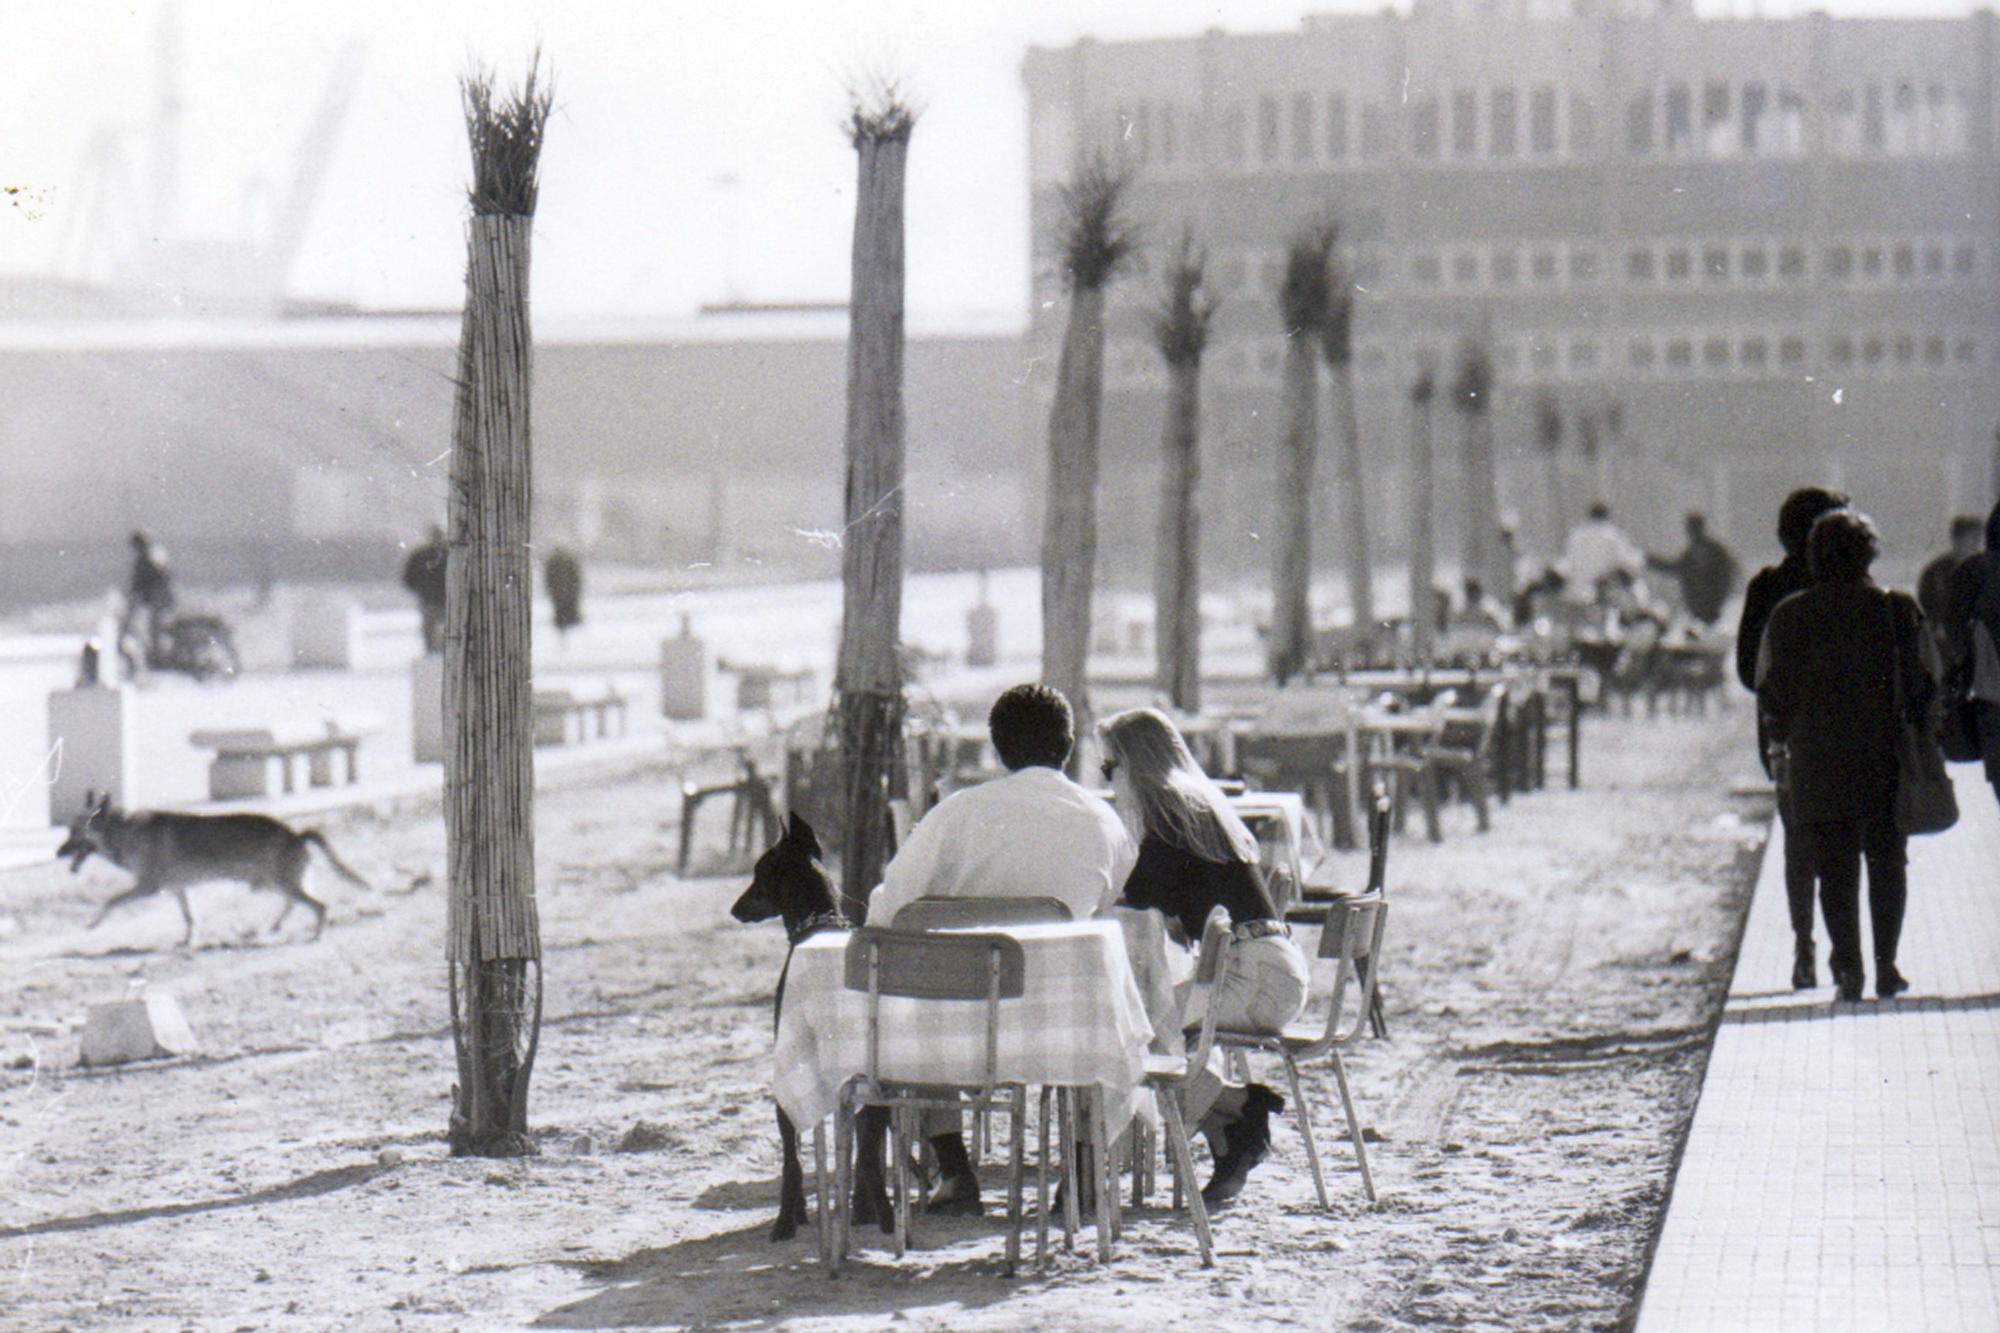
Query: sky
695	155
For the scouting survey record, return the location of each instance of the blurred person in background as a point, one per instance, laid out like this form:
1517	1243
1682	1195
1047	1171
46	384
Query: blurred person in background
1972	642
424	575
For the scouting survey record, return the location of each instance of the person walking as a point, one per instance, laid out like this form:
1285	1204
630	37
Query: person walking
1972	642
1768	587
1827	674
1196	855
1934	583
149	597
424	575
563	576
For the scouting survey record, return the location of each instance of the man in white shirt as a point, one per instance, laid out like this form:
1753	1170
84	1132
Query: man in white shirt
1596	550
1033	833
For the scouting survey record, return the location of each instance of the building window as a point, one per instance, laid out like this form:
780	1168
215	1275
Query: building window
1840	350
1789	139
1583	266
1427	269
1715	354
1464	123
1715	263
1903	119
1871	350
1753	354
1336	126
1755	263
1543	266
1965	351
1639	352
1267	129
1506	123
1375	130
1680	354
1639	124
1302	127
1906	350
1504	267
1791	263
1542	121
1751	111
1839	263
1638	265
1846	123
1583	125
1465	269
1904	260
1933	351
1424	127
1874	127
1680	118
1964	261
1934	261
1717	141
1791	351
1679	265
1871	261
1583	356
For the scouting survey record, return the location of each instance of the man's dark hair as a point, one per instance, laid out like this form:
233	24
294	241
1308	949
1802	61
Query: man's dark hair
1032	726
1798	513
1842	545
1966	526
1598	511
1695	521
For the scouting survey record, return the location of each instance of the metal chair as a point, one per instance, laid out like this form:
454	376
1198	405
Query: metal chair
929	913
1414	764
943	969
1311	909
1167	1075
1465	747
1352	937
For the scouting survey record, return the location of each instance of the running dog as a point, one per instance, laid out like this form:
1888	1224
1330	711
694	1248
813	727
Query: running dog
164	850
790	881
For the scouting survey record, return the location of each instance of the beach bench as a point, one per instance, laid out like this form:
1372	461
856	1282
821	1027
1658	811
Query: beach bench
283	756
769	687
570	714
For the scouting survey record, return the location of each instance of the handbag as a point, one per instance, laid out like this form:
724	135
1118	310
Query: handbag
1958	727
1925	801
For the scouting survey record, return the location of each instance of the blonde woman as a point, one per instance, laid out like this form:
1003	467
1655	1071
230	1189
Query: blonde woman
1195	855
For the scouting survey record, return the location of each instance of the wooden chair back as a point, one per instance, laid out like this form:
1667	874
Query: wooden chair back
1352	938
957	913
1211	968
918	966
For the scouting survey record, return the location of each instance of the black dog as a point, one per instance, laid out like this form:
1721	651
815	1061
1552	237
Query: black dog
790	881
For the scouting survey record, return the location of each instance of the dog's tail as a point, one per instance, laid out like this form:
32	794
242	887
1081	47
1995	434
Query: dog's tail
340	867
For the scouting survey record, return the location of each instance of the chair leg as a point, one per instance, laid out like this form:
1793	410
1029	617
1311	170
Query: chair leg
899	1144
1042	1185
1107	1183
1177	1143
1475	782
1427	781
843	1182
1072	1221
1016	1142
1306	1130
821	1188
1354	1127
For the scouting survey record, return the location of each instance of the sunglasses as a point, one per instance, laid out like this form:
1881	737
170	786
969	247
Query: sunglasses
1107	768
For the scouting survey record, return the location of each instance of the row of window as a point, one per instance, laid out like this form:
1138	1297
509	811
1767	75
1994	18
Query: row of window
1134	364
1720	118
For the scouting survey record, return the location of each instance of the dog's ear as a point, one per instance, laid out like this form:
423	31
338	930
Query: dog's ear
802	834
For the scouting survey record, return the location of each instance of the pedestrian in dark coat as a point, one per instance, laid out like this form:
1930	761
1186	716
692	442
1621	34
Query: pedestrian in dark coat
564	578
424	574
1972	642
1771	585
1825	677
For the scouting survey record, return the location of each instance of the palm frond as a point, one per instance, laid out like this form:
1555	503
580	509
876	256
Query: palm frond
880	111
1180	327
1095	239
506	135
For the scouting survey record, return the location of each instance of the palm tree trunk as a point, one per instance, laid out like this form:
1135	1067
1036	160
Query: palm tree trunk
1558	504
1176	572
868	677
1423	535
1480	542
1291	564
1350	479
1069	531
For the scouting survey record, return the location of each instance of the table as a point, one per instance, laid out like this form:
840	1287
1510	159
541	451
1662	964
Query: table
1081	1022
1278	818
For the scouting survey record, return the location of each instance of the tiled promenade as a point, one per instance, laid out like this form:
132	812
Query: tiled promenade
1844	1166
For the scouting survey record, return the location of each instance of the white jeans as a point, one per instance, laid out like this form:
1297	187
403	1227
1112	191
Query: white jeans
1265	989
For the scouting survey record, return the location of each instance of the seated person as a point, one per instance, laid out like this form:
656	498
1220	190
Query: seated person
1195	855
1032	833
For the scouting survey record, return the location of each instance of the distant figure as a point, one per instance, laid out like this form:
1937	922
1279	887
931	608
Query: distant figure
1934	584
1597	549
564	577
1770	586
149	595
1706	570
1972	642
1823	675
982	630
1481	610
424	575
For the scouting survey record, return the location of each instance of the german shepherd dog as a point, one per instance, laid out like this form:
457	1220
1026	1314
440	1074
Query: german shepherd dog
167	850
790	881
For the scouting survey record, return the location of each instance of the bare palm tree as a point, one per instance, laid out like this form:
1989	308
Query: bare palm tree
868	676
1423	510
493	935
1302	306
1548	438
1350	475
1472	395
1095	242
1181	332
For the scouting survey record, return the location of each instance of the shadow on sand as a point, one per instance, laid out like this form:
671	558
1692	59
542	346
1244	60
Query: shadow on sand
305	1187
741	1279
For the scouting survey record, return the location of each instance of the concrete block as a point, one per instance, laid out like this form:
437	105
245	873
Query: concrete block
684	671
95	732
427	709
138	1029
982	636
327	632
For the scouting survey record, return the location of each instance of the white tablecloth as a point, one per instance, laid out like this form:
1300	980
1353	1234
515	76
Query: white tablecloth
1081	1021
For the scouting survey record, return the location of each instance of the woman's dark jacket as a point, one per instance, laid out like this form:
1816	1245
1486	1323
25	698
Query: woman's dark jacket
1187	887
1824	683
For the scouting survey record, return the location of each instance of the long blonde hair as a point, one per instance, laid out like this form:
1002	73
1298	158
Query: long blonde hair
1178	803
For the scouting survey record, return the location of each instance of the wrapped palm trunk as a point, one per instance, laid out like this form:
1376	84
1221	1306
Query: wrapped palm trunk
1423	538
493	936
1291	565
1351	484
1095	245
868	676
1480	537
1182	334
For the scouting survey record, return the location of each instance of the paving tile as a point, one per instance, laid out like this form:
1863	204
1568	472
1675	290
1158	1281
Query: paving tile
1843	1169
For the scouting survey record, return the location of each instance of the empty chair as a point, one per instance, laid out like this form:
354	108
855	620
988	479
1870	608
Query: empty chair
941	969
1168	1075
1465	747
1413	763
1352	937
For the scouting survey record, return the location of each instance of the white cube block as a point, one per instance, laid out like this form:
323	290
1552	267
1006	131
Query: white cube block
141	1029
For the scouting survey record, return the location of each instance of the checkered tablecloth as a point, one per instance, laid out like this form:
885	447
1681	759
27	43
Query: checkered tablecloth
1081	1021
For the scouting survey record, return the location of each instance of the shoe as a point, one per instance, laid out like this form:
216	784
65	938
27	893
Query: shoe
1249	1140
1804	975
1889	983
1847	986
957	1197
